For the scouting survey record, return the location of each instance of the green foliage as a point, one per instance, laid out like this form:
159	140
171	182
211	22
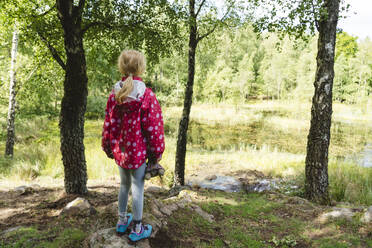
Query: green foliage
346	45
287	241
244	67
49	238
95	107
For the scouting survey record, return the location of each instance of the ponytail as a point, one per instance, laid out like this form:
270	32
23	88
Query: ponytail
124	92
131	63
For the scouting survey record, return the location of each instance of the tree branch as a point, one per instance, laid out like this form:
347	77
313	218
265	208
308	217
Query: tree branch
314	14
45	13
53	51
110	26
19	86
200	6
200	37
92	24
78	10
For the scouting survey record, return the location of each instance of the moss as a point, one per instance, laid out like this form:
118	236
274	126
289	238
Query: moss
49	238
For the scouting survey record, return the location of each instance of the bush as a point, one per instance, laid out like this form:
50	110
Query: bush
96	107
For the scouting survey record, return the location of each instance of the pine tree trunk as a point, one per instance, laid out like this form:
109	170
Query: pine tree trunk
73	104
179	175
12	98
316	182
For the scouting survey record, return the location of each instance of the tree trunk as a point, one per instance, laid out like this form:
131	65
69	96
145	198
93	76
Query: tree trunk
12	97
73	104
316	182
179	175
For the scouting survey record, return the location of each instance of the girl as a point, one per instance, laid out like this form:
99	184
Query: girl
132	132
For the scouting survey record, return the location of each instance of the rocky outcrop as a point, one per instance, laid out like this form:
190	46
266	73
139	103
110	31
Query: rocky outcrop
107	238
79	206
337	213
157	215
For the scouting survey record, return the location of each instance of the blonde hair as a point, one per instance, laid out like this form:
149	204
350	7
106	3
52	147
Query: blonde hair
131	63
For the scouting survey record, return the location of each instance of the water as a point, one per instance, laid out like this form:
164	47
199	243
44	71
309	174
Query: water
364	158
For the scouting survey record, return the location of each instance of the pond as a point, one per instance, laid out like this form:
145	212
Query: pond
363	158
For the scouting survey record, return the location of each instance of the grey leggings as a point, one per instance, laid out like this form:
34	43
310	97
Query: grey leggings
134	178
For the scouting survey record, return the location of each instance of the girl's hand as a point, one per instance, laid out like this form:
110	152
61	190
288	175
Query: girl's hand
159	158
107	150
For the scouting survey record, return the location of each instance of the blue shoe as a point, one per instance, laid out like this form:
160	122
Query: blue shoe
120	229
145	233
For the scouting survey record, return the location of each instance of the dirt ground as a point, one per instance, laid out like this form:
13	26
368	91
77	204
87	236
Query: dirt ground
240	219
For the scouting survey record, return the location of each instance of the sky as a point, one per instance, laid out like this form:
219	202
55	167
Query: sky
359	19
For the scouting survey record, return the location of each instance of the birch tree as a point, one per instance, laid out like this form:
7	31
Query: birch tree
12	96
298	19
316	182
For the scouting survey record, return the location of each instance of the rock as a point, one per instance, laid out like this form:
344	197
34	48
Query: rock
23	190
367	217
170	199
155	189
337	213
224	183
107	238
173	207
187	194
297	200
111	208
163	208
155	210
205	215
154	222
35	186
9	230
211	178
166	210
79	206
258	186
174	191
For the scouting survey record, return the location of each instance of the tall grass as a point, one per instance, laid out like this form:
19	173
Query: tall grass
267	136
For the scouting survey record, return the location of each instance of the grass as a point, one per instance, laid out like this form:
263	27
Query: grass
255	220
267	136
53	237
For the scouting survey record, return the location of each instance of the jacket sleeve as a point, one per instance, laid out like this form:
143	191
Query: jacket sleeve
153	128
106	147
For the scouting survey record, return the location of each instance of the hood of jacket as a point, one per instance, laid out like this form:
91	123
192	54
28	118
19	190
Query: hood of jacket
135	98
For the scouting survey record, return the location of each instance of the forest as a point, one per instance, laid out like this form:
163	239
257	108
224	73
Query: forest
267	123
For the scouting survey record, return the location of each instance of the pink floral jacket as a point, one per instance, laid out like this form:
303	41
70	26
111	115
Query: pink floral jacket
133	131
